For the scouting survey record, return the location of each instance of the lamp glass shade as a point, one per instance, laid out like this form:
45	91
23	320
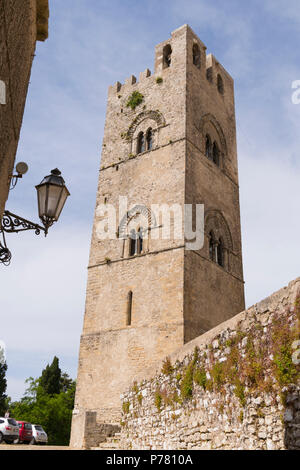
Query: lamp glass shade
42	197
52	195
64	193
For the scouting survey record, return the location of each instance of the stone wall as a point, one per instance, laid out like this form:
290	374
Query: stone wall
21	24
235	387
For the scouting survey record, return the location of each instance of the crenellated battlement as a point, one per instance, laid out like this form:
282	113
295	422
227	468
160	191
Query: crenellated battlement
182	49
129	82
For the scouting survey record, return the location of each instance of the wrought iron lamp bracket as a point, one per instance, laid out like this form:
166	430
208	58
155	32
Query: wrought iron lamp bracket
12	223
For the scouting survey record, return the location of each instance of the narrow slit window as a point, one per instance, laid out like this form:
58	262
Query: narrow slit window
208	147
220	85
141	143
220	253
196	56
132	243
149	139
216	154
129	309
211	247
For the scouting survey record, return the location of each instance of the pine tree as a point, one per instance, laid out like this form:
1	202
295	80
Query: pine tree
66	383
50	379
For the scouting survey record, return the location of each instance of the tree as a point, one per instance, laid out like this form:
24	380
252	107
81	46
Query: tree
50	379
52	410
65	382
3	385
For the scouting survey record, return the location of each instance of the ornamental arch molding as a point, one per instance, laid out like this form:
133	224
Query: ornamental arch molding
209	118
153	115
216	223
136	211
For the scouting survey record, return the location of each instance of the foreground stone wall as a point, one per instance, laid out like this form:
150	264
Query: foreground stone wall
235	387
21	24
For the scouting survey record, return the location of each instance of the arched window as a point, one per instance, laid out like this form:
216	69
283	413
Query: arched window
211	246
220	253
149	139
140	143
132	243
208	147
129	308
196	56
220	85
136	242
167	53
216	154
218	244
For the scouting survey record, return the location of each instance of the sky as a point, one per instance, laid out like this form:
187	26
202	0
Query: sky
92	44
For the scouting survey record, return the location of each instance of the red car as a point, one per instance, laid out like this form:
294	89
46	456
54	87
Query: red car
25	432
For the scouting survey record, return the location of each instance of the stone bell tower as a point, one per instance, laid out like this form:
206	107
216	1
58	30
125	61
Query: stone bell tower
169	139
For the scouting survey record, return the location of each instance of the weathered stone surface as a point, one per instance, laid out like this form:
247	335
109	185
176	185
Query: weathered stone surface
212	420
177	294
18	35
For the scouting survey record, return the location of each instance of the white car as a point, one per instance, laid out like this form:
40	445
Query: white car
39	436
9	430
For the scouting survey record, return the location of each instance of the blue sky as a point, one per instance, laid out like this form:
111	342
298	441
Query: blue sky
92	44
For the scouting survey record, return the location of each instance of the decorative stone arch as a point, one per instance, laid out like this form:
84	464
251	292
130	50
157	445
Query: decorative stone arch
155	116
136	211
209	118
216	224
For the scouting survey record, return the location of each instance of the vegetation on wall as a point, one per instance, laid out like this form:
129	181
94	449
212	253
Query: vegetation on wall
134	100
244	364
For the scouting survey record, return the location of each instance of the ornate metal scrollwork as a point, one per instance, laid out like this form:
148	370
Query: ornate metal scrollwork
5	254
14	223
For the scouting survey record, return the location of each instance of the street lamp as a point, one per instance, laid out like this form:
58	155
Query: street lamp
52	194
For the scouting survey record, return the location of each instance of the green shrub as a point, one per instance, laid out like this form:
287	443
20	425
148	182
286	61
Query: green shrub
186	387
200	377
134	100
167	367
135	388
125	407
239	392
217	374
140	398
158	400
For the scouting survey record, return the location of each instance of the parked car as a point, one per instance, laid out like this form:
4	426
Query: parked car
25	432
39	436
9	430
